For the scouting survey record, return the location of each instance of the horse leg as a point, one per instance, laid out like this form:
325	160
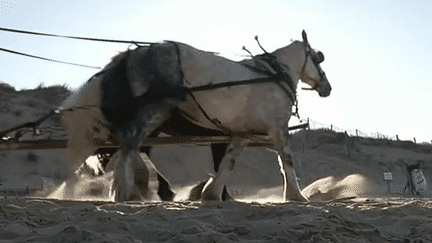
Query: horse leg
164	190
140	174
142	178
286	163
79	149
215	188
218	152
147	119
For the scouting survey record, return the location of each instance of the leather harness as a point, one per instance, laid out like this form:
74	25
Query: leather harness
276	74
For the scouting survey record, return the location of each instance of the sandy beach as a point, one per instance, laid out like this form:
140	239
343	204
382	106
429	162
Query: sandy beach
355	220
350	199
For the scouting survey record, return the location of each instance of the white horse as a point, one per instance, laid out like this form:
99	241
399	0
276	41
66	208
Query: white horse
141	90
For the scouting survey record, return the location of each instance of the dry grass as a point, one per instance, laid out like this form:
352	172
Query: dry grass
6	88
54	94
26	105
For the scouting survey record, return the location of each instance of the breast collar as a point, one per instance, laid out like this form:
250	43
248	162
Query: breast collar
275	72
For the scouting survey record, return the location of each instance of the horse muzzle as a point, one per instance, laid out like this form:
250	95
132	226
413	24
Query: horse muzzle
324	91
324	87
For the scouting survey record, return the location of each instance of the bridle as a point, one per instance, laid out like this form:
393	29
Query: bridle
316	63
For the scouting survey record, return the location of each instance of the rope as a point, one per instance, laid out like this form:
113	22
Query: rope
34	125
75	37
47	59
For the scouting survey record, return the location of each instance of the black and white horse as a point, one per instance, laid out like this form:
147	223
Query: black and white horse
168	87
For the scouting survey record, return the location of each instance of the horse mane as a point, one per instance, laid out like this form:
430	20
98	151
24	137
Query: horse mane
117	59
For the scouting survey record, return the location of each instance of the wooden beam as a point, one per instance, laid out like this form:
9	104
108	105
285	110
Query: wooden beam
254	141
193	140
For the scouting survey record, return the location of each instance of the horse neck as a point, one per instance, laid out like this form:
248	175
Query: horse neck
292	56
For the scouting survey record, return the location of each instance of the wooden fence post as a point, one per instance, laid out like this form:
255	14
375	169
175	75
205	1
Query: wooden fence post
347	145
304	141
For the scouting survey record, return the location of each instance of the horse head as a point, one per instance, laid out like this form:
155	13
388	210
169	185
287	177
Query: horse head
312	73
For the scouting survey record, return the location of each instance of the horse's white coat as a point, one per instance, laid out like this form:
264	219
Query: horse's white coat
81	121
242	108
255	108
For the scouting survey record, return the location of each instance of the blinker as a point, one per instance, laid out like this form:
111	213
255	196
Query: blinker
318	58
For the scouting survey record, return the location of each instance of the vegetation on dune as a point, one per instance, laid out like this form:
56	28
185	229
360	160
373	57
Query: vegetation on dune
6	88
30	104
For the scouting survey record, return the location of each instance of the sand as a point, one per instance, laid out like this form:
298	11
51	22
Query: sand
359	220
342	176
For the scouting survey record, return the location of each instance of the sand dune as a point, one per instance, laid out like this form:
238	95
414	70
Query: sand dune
342	176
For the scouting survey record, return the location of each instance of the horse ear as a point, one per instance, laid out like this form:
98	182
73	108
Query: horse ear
305	40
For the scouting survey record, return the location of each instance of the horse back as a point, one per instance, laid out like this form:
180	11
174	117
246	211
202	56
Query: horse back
237	108
140	77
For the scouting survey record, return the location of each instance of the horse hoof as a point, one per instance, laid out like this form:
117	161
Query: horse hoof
196	191
226	196
164	192
167	196
122	196
123	192
209	192
200	191
297	198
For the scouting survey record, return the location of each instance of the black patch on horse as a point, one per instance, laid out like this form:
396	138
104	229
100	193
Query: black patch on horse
118	102
158	67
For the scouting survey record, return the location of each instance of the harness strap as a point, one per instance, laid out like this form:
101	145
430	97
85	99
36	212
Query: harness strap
215	121
233	83
281	75
278	78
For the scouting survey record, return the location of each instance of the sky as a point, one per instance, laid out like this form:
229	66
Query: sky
377	53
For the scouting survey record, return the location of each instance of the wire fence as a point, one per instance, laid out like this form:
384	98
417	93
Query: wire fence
315	125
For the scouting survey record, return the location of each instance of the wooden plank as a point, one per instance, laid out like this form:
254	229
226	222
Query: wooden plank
30	145
254	141
198	141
